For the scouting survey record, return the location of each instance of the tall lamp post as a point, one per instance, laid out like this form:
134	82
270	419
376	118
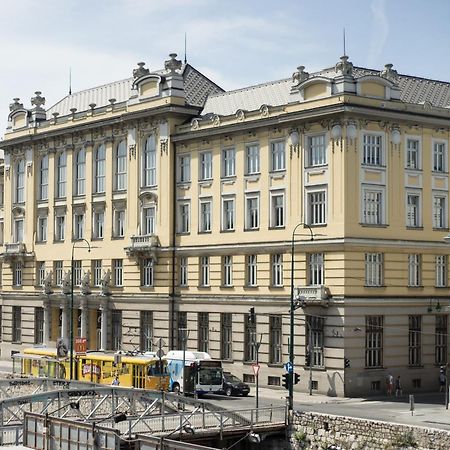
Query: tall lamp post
291	333
71	302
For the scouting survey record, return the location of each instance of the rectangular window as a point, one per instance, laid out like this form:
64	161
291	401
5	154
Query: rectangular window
226	336
60	228
99	224
38	325
317	208
277	210
77	272
415	340
252	270
227	271
314	341
412	154
184	168
42	229
61	174
182	330
205	215
100	169
372	212
183	217
183	271
439	156
277	270
278	156
80	172
43	178
119	223
374	341
118	272
439	211
17	273
414	270
204	271
228	213
149	220
147	272
146	319
316	269
374	269
252	212
149	162
412	210
16	324
97	272
250	338
40	273
228	162
252	157
203	332
440	346
441	270
59	273
275	340
121	167
205	166
18	230
317	150
78	226
116	331
372	150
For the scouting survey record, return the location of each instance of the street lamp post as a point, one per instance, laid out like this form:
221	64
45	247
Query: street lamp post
71	304
291	333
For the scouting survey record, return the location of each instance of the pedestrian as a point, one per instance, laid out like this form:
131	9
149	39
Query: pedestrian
442	380
389	384
398	387
116	381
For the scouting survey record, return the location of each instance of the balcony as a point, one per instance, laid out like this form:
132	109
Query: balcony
15	249
312	295
143	246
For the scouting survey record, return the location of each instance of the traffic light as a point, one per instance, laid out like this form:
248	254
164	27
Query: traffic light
346	363
252	315
296	378
286	380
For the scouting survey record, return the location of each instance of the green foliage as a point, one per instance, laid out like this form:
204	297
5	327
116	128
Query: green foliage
405	440
301	436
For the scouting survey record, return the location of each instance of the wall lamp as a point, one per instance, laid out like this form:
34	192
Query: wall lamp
294	137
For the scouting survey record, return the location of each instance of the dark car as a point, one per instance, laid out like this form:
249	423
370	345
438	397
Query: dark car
232	385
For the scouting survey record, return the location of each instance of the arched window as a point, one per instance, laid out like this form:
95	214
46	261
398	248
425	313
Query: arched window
149	162
100	156
43	178
80	172
20	181
121	167
61	173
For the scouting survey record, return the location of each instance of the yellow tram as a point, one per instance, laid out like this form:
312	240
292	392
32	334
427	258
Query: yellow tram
144	371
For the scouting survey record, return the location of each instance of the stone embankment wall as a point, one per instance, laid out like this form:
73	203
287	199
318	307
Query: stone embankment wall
321	431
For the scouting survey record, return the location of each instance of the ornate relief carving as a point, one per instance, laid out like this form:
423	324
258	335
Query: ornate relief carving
38	101
15	105
172	64
389	73
264	111
164	145
132	151
240	115
344	67
48	283
299	76
195	124
85	283
105	283
140	71
215	119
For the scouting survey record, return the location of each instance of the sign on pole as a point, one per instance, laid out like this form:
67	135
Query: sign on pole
80	345
256	368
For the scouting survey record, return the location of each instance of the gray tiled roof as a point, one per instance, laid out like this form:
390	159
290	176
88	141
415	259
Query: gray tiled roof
277	93
197	88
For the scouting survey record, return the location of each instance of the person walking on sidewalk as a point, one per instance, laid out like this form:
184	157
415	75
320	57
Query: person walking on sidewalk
398	387
389	384
442	379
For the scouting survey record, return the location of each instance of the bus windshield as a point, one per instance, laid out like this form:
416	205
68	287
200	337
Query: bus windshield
210	375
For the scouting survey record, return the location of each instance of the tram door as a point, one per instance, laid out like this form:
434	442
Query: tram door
138	376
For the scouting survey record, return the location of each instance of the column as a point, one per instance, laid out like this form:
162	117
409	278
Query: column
46	323
64	322
104	326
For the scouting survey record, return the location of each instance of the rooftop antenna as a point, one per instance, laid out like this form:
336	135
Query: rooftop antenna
70	80
185	48
344	43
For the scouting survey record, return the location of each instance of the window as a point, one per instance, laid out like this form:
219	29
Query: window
16	323
18	230
77	272
60	228
314	341
80	172
204	271
40	273
317	150
439	211
149	220
38	325
374	341
414	269
415	340
116	321
374	269
149	162
119	223
275	340
42	229
372	150
228	162
441	270
439	157
1	324
226	336
277	210
316	269
118	272
78	226
120	183
147	272
412	154
372	208
146	344
252	270
97	272
278	156
316	208
43	178
252	157
99	224
100	172
184	168
412	210
61	174
250	338
205	215
252	212
227	271
183	271
203	332
20	182
59	274
183	217
440	346
182	330
205	166
277	270
17	273
228	213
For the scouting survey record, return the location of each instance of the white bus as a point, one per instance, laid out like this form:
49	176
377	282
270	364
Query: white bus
202	375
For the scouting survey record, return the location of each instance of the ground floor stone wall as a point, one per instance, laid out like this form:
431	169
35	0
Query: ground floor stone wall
321	431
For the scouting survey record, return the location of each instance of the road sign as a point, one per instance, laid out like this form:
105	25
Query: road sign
288	367
256	368
80	345
160	353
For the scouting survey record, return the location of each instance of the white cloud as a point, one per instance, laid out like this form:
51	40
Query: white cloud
380	32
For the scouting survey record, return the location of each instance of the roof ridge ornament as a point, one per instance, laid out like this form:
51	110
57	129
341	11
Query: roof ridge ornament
344	67
16	104
38	100
140	71
172	64
299	76
389	73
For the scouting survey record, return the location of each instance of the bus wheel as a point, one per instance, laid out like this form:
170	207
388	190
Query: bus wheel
228	392
176	388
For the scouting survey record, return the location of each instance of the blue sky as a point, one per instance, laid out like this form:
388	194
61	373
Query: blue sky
236	43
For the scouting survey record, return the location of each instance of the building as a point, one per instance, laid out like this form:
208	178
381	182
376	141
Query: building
192	198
